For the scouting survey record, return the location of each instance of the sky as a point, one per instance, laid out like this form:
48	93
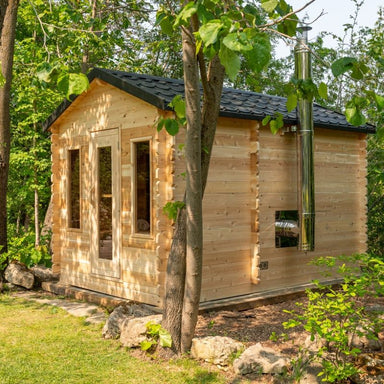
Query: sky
337	13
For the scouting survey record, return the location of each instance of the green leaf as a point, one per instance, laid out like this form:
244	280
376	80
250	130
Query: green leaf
172	126
269	5
359	70
354	115
178	104
260	55
379	101
165	338
166	22
291	102
231	62
342	65
146	344
233	42
276	124
72	83
209	32
171	208
2	79
160	125
189	10
266	120
288	26
323	91
44	71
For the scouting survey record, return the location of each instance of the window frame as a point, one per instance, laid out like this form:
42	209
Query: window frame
69	189
134	231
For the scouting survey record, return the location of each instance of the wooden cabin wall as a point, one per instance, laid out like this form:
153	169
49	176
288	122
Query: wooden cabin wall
104	107
253	175
340	199
228	208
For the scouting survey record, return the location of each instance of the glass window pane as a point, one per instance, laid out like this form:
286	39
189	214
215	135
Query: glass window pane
105	202
143	191
74	189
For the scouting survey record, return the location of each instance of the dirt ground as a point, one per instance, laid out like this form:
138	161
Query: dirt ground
256	326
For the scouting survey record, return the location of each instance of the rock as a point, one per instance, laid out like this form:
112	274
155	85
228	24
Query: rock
372	367
112	327
311	374
18	274
258	359
313	345
215	349
133	330
363	342
42	273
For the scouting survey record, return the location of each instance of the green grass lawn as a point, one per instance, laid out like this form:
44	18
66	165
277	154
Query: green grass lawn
44	344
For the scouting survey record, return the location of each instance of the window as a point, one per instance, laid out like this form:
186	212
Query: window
74	188
142	187
105	202
286	229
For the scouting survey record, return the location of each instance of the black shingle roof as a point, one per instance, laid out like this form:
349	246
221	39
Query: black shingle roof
159	92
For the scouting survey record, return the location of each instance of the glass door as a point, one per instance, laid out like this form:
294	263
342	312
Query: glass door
105	202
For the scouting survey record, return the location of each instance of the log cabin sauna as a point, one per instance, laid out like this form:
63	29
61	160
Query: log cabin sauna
113	172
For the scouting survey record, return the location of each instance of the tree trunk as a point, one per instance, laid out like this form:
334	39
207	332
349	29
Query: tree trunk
174	287
7	40
212	80
174	290
193	193
36	191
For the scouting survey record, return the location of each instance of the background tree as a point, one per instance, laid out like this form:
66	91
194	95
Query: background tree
54	42
8	15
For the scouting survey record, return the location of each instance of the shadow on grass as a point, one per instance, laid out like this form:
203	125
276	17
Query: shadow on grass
203	378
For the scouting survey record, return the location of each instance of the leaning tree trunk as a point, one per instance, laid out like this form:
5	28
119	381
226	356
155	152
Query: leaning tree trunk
175	282
212	80
193	191
8	15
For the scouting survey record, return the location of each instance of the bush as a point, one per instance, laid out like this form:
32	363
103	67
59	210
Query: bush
334	315
22	248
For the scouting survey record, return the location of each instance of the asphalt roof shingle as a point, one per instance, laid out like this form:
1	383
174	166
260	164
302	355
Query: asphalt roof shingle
160	91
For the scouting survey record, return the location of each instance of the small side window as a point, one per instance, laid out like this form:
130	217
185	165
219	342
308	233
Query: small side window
286	229
142	187
74	188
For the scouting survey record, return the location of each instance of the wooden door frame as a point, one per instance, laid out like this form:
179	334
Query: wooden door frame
99	139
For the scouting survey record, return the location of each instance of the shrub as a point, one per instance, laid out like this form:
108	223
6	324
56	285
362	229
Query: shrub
156	335
336	314
22	248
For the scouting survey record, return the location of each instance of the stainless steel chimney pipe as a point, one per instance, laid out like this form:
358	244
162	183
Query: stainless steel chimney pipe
305	148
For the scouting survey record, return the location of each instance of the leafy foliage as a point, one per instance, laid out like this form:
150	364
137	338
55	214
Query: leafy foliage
334	315
22	248
156	335
172	208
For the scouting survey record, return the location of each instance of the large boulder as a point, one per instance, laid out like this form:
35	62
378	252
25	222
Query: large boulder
114	323
133	330
215	349
42	274
259	359
112	327
18	274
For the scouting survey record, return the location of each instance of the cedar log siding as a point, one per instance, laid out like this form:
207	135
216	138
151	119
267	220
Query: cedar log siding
101	108
252	175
